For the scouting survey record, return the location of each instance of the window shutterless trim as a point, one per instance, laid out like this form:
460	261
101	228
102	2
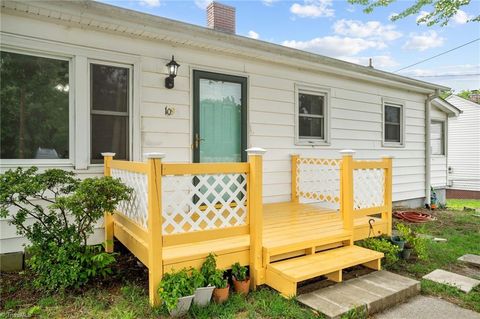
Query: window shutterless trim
443	138
312	140
401	105
10	162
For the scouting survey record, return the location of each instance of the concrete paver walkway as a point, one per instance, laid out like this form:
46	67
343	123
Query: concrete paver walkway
422	307
463	283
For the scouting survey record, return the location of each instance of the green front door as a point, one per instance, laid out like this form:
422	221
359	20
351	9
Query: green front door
219	118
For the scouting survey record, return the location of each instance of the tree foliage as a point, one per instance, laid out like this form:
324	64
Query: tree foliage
439	11
57	213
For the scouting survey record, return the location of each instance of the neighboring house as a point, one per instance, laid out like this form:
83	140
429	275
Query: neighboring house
464	150
107	66
441	113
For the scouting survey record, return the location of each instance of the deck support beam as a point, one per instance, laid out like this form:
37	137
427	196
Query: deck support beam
107	216
255	211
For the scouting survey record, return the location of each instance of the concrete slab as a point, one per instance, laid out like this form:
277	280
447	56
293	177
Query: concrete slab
374	292
463	283
471	259
421	307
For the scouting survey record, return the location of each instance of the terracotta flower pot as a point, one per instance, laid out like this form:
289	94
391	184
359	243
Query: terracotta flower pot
220	295
241	287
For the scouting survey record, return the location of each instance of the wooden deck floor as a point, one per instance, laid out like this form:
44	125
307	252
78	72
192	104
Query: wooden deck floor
288	222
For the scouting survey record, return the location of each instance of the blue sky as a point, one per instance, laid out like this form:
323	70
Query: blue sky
340	30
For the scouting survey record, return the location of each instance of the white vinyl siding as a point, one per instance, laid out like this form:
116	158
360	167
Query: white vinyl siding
356	107
464	146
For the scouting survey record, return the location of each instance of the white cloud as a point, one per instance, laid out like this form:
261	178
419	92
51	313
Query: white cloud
461	17
378	61
252	34
150	3
369	29
202	4
335	46
269	3
424	41
313	9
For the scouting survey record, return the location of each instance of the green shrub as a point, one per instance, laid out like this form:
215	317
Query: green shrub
217	279
382	245
197	278
208	268
239	272
64	211
174	286
418	244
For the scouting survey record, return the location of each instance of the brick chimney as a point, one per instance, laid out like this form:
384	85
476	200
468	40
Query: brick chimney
221	17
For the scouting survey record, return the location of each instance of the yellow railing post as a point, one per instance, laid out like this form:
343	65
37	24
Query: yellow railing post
255	211
155	262
294	161
107	216
387	215
347	188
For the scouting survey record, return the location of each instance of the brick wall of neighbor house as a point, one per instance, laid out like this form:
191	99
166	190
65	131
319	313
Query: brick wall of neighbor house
221	17
463	194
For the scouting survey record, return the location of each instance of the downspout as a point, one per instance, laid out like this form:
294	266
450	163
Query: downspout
428	157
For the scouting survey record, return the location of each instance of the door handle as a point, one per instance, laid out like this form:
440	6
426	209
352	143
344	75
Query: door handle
198	140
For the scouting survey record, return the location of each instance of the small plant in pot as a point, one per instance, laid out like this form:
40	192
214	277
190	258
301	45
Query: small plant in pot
176	290
222	288
407	250
241	282
203	287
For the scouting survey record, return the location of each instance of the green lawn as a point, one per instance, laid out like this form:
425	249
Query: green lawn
462	231
460	204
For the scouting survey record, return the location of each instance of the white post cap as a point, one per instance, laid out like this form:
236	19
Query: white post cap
294	154
153	155
104	154
255	151
388	156
347	152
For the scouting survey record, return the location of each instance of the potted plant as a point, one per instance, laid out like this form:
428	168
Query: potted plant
200	279
399	238
176	291
241	282
222	288
407	250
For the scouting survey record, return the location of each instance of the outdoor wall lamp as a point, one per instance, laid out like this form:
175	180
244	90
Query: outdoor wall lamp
172	73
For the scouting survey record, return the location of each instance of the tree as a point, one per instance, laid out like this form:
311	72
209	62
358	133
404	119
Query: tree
463	94
439	11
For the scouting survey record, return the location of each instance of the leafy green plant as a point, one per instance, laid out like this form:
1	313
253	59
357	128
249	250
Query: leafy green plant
239	272
174	286
382	245
64	211
418	244
209	268
216	279
197	278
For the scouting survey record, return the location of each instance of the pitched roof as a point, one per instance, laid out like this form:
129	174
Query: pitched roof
94	15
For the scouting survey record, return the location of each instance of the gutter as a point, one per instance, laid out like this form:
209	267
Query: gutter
428	155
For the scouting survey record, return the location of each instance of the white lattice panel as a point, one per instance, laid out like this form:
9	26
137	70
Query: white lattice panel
368	188
137	207
201	202
319	180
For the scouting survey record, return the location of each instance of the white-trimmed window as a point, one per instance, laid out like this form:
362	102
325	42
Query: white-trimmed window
393	123
312	110
35	107
437	137
110	104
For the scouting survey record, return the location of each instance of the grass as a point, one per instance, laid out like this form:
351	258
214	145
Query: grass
461	229
460	204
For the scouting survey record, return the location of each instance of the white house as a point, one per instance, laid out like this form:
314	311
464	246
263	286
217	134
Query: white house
93	80
464	150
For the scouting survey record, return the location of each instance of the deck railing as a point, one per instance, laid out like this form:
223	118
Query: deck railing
356	187
174	204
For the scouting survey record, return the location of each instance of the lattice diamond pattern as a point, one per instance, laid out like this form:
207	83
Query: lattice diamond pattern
368	188
137	207
201	202
319	180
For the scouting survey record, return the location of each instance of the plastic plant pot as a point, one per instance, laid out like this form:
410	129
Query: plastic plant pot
399	242
182	307
203	296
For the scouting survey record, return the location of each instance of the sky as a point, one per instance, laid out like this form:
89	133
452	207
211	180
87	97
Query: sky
343	31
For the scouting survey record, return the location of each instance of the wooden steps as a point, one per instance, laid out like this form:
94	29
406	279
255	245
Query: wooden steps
284	275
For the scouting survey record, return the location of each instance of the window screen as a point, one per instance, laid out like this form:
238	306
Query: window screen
311	117
110	99
393	123
437	140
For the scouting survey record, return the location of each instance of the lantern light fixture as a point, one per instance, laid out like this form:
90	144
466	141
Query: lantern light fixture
172	67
